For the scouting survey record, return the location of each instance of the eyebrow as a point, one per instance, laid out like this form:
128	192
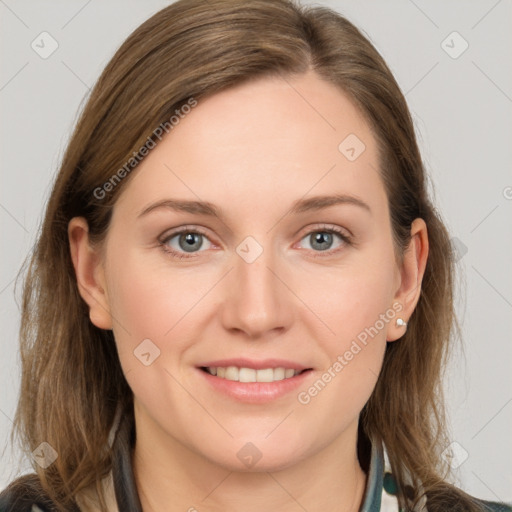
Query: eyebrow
314	203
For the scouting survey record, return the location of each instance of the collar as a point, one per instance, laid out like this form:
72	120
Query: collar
375	479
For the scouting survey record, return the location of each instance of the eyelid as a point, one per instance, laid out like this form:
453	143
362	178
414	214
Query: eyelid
170	233
322	226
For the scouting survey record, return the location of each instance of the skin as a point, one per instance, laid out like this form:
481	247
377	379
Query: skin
252	151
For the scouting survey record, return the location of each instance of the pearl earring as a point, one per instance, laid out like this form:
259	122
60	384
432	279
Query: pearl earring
400	322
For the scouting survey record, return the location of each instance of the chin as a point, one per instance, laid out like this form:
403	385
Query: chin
243	455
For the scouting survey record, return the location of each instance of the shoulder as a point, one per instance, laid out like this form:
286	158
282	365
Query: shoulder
451	499
446	497
494	506
26	494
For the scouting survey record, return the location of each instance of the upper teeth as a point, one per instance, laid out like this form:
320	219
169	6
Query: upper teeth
252	375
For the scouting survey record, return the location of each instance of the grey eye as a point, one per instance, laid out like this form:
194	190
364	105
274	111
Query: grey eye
187	241
322	240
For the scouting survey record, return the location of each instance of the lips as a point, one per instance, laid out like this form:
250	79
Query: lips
254	381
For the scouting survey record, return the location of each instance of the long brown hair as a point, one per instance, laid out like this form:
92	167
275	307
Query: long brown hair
72	382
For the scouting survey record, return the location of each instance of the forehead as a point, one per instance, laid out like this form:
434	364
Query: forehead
270	138
295	117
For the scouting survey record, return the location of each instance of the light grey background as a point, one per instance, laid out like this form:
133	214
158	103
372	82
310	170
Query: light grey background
462	109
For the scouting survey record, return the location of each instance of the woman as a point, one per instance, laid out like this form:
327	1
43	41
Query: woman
241	297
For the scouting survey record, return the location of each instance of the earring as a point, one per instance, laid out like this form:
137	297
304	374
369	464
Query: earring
400	322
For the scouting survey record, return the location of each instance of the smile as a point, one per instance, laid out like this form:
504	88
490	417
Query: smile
255	382
242	374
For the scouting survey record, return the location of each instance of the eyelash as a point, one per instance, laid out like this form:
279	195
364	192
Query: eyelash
346	239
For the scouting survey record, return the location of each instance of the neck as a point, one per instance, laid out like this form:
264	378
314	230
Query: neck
170	476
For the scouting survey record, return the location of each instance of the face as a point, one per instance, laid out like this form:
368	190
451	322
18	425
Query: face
289	271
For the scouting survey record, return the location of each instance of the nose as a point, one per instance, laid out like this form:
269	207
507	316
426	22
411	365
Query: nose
256	302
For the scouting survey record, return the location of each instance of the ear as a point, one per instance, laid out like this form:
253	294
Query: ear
89	272
410	276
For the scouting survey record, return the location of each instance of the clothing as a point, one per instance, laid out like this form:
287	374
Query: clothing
378	497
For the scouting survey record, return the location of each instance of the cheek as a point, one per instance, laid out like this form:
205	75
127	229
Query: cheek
146	299
356	303
150	307
352	299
